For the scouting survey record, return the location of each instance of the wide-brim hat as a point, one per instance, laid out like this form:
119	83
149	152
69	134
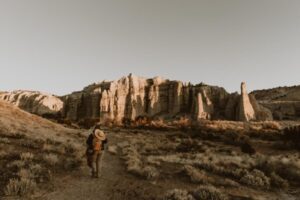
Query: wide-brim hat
99	134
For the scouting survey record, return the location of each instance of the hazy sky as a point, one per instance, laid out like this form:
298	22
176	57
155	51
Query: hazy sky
59	46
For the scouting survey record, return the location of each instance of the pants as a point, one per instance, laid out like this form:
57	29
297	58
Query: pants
93	161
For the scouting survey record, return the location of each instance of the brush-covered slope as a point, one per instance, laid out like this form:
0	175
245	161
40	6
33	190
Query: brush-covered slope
32	151
284	102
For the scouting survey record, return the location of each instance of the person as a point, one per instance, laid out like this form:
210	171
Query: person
95	148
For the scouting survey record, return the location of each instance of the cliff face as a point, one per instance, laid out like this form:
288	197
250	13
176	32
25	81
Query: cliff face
284	102
34	102
132	97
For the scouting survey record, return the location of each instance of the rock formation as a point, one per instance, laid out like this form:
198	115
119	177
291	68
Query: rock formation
246	111
132	97
34	102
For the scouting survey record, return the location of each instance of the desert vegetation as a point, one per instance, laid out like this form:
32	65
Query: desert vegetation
28	165
33	151
213	160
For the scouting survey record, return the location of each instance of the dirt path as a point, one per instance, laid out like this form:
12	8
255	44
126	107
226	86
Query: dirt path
79	184
114	184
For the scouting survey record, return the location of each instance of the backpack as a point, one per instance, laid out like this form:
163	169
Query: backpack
97	144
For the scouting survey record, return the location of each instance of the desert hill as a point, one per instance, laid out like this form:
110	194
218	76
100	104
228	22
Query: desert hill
284	102
33	150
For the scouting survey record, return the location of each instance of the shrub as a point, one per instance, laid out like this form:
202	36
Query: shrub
25	173
182	123
51	159
17	163
284	167
195	175
141	121
150	172
20	187
256	178
177	194
4	140
209	193
26	156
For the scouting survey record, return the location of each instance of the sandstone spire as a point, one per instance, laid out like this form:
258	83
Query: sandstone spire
246	111
202	108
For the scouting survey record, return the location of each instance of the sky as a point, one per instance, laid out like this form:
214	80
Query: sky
60	46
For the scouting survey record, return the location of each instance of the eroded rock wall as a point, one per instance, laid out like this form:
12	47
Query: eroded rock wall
34	102
131	97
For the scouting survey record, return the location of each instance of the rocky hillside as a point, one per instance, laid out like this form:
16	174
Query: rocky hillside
284	102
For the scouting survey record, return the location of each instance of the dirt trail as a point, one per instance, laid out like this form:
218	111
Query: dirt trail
79	184
114	184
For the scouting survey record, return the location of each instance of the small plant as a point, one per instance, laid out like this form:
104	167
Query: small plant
177	194
26	156
51	159
209	193
21	187
256	178
25	173
195	175
17	163
4	140
150	172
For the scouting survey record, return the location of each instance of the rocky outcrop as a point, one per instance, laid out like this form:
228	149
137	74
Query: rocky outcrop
132	97
34	102
245	109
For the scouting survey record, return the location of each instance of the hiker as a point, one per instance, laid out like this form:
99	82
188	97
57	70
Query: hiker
95	149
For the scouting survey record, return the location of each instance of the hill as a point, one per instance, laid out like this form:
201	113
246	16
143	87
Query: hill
33	151
284	102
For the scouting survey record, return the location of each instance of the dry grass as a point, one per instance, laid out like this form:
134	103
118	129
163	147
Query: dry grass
26	170
135	164
201	193
20	187
256	178
223	163
196	175
209	193
178	194
51	159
